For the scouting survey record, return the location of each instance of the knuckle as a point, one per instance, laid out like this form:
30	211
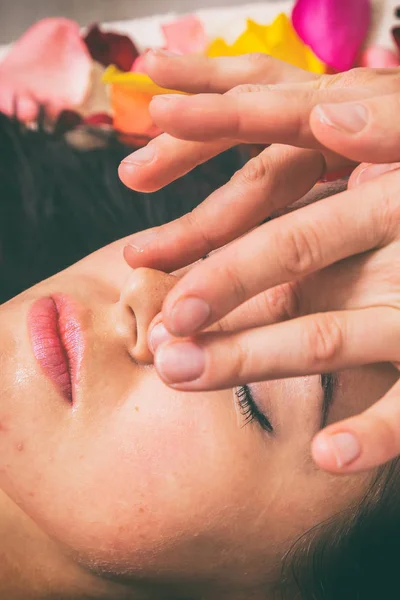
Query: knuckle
246	88
259	59
353	77
299	251
323	341
192	222
281	303
386	213
255	170
243	363
236	286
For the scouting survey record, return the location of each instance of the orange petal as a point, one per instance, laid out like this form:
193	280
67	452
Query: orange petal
131	111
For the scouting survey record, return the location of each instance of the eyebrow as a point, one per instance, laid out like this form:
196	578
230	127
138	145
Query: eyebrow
328	385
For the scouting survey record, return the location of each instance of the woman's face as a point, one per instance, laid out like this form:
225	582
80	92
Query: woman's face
135	479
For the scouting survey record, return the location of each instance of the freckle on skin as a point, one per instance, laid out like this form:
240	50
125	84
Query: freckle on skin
141	509
137	408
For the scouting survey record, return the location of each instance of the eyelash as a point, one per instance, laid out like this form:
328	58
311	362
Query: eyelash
249	409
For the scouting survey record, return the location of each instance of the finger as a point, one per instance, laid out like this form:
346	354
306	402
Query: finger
364	441
250	113
165	159
261	187
366	130
285	249
367	171
198	74
318	343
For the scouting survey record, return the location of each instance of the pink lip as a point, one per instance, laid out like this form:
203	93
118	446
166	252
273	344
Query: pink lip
57	342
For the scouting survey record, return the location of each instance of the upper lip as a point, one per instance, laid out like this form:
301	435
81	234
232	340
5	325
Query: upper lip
58	343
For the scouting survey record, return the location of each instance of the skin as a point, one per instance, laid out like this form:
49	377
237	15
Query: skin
349	245
140	491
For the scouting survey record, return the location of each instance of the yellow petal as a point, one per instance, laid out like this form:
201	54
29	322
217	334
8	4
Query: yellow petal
137	81
219	47
278	39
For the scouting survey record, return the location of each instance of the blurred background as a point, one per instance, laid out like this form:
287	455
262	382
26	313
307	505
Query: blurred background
17	15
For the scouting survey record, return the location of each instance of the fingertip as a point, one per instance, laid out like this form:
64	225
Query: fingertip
131	176
323	454
131	254
336	451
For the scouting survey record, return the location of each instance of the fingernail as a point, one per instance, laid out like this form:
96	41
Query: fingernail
180	362
372	171
158	335
346	448
162	52
348	117
141	157
189	315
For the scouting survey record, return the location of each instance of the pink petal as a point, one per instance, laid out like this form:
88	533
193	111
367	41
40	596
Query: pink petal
334	29
48	65
185	35
377	57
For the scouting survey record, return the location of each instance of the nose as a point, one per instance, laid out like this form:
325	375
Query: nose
140	301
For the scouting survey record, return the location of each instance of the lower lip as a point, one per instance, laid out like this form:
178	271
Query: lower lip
57	342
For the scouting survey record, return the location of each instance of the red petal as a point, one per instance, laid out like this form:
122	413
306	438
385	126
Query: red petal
334	29
99	119
48	65
66	121
110	48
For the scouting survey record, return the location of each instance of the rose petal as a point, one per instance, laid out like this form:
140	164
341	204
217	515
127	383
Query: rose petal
334	29
185	35
278	39
110	48
377	57
50	66
66	121
139	82
396	36
99	120
131	111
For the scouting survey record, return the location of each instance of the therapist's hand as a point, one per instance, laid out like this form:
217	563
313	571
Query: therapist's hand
343	323
323	294
275	178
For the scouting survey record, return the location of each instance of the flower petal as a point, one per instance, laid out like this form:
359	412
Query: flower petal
278	39
110	48
185	35
377	57
135	81
131	111
50	66
334	29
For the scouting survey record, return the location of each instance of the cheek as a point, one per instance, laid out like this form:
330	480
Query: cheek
146	482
